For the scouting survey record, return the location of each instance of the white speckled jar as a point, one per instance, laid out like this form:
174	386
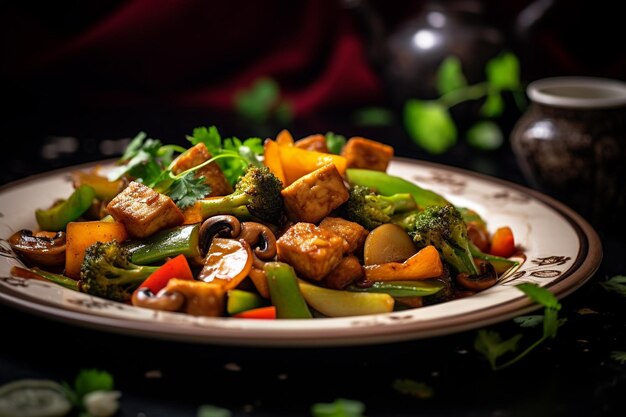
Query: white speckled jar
571	143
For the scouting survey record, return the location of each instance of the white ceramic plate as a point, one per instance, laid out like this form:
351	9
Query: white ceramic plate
562	251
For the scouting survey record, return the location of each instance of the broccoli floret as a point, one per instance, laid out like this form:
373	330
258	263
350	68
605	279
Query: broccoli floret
443	227
257	193
107	272
371	210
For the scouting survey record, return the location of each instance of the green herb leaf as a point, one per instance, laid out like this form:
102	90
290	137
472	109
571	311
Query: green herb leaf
210	136
414	388
503	72
485	135
450	75
335	142
540	295
89	380
212	411
619	356
373	116
616	284
430	125
134	146
529	321
339	408
490	344
493	106
185	191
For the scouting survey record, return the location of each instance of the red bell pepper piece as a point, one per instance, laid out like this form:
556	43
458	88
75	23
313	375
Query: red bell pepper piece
176	267
503	242
268	312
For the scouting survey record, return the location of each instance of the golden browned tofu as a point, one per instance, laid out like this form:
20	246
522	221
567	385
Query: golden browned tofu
313	143
201	298
313	196
143	211
348	271
365	153
353	233
212	173
313	252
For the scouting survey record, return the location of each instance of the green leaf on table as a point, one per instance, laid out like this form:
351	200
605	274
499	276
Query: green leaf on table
373	116
619	356
341	407
335	142
206	410
257	102
493	105
430	125
90	380
503	72
539	295
485	135
616	284
414	388
529	321
490	344
450	75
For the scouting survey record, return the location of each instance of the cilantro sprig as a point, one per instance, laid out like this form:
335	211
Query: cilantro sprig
235	155
150	162
431	125
491	345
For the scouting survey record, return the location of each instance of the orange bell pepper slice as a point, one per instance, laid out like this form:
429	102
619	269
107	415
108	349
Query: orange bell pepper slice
271	159
424	264
297	162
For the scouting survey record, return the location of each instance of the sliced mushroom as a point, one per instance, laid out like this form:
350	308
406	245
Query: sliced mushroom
164	300
487	278
40	248
259	237
223	225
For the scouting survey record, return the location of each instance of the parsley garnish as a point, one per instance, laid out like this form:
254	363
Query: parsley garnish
341	407
88	380
616	284
235	155
491	345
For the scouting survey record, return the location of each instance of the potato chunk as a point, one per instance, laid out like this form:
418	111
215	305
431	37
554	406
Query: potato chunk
313	252
313	196
212	173
367	154
143	211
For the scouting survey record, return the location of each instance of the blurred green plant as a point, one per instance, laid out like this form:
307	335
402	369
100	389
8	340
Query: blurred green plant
262	102
432	127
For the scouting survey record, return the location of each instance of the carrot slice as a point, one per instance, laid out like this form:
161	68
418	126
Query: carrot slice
227	263
503	242
268	312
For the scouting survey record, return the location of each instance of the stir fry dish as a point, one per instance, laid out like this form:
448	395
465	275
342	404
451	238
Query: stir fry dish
272	229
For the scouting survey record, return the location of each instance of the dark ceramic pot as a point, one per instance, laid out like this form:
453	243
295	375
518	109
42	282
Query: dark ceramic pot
571	144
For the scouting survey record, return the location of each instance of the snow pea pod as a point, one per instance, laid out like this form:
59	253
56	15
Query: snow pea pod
385	184
167	243
59	215
285	292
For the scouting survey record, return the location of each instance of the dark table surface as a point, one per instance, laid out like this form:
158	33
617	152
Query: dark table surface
570	376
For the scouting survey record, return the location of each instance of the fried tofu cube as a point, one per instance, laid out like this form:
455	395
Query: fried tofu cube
313	196
313	252
201	298
143	211
368	154
353	233
313	143
348	271
212	173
